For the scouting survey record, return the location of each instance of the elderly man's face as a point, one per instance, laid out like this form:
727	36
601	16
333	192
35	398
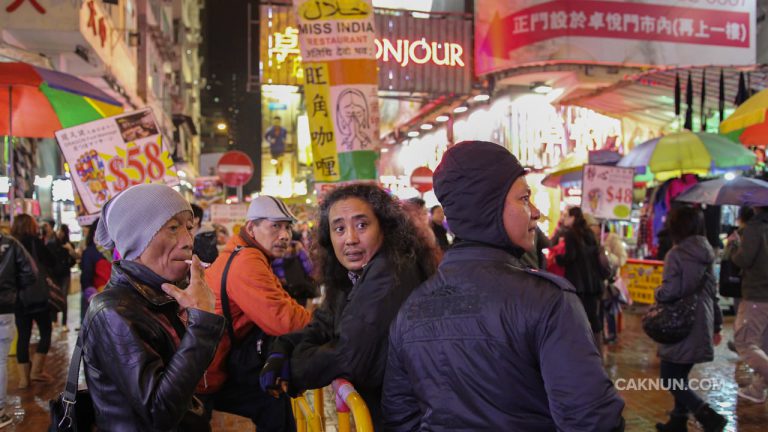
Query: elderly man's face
355	232
520	215
272	236
170	248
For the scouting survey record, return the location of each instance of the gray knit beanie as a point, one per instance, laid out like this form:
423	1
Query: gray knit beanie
130	220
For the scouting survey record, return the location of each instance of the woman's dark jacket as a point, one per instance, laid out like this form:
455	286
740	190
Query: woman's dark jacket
16	272
141	361
688	270
44	261
581	263
348	334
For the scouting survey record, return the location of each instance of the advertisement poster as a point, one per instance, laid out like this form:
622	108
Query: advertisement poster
231	216
642	278
337	42
110	155
511	33
606	191
209	190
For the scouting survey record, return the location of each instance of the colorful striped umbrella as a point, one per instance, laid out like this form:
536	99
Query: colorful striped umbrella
749	123
687	152
35	102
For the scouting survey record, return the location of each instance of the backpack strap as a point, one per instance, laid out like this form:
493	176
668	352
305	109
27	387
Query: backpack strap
225	297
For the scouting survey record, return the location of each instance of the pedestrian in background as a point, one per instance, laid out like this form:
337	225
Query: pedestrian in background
436	218
16	273
65	257
752	318
487	344
371	257
583	268
95	269
688	271
25	230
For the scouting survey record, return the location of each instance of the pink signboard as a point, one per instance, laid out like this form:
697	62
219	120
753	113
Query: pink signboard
511	33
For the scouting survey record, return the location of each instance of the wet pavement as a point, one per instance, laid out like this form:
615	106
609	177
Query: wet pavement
632	357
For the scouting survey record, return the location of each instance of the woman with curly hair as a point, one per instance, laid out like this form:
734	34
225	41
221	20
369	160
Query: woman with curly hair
371	258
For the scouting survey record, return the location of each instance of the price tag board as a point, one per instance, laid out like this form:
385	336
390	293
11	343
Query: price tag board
642	278
107	156
606	191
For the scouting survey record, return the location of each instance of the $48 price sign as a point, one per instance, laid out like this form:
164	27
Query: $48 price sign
137	164
619	195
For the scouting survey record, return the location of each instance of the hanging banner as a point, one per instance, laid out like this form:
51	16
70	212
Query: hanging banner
110	155
606	191
514	33
337	41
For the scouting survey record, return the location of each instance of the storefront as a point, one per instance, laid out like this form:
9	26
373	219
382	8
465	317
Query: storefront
417	59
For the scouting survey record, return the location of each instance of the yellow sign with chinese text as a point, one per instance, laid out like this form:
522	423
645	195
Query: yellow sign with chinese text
642	278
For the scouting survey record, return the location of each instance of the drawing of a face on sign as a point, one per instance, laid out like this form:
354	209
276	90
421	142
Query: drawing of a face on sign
352	120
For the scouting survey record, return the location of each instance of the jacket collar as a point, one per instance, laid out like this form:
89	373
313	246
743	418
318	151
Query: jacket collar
146	282
470	250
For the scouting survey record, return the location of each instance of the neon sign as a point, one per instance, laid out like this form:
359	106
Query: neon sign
404	51
400	51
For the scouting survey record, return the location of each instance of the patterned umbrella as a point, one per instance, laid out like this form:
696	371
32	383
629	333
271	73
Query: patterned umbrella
35	102
749	123
688	152
741	191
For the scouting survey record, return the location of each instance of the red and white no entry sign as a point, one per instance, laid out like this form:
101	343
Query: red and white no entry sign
421	179
235	168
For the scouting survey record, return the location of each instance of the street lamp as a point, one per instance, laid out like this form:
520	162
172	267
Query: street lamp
221	126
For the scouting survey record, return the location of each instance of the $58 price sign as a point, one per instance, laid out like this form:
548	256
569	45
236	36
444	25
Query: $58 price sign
137	164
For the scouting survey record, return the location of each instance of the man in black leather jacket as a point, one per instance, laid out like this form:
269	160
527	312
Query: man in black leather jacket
486	344
147	343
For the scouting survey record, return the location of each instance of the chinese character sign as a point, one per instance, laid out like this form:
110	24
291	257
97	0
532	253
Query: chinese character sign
109	155
606	191
510	33
337	41
642	278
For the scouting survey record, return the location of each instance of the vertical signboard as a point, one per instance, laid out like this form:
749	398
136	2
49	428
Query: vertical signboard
340	83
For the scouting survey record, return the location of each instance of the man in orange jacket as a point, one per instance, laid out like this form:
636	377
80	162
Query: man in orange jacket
257	302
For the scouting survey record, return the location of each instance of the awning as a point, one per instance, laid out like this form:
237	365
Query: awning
649	97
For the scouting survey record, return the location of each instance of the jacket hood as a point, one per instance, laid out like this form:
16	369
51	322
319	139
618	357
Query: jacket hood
471	183
697	248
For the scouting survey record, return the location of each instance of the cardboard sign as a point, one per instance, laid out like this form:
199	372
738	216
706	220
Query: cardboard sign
110	155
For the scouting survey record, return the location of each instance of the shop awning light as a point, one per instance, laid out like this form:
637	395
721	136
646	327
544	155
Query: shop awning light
481	98
427	126
730	176
273	161
413	134
541	87
385	150
460	109
442	118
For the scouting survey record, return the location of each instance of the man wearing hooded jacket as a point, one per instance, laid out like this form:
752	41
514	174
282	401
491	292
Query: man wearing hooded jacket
485	344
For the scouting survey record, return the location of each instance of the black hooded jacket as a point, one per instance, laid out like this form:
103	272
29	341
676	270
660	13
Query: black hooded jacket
485	344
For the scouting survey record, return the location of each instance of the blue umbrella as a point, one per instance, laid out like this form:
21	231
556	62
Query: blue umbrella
741	191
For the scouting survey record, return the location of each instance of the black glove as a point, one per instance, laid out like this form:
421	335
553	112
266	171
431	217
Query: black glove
276	370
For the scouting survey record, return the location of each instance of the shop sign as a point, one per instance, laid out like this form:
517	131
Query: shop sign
413	54
340	87
607	191
15	4
642	278
110	155
512	33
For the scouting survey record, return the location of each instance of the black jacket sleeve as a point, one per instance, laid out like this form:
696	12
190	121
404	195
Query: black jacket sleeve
159	393
359	353
27	273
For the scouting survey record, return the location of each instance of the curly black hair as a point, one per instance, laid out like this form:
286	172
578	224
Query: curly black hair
402	244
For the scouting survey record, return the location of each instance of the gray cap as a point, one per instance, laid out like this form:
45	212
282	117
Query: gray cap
270	208
130	220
